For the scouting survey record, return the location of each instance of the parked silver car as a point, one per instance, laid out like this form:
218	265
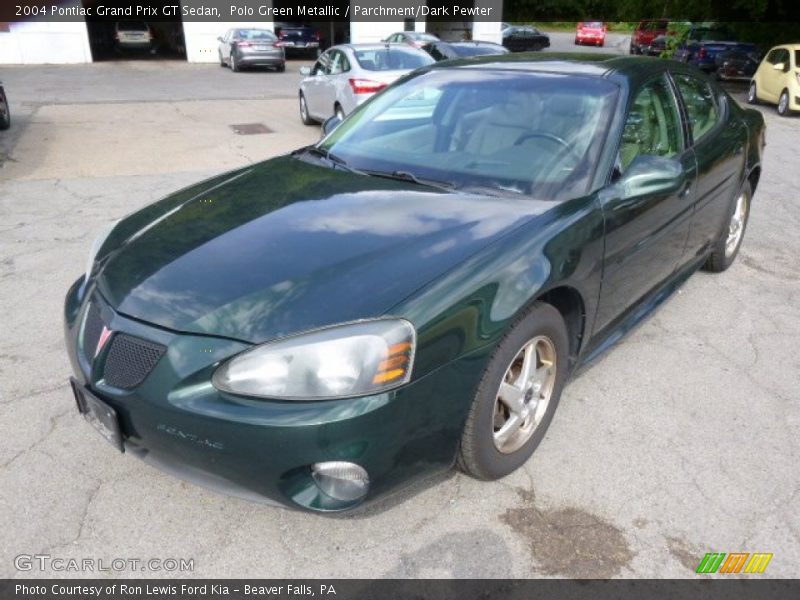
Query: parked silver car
250	47
347	75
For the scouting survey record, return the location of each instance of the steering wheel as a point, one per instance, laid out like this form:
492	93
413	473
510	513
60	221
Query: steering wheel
566	148
543	134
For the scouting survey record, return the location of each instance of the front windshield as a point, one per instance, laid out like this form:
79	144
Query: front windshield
502	131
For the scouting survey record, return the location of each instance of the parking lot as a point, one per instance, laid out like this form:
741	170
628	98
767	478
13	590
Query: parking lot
682	440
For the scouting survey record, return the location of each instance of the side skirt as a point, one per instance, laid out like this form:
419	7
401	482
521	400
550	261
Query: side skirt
643	309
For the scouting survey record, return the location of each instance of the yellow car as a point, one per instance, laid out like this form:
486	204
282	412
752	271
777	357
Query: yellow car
777	79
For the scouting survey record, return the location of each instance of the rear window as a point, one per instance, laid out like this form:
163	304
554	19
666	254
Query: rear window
392	58
425	37
131	26
713	34
476	50
255	34
593	24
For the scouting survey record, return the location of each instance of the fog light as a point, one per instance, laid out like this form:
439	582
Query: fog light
341	480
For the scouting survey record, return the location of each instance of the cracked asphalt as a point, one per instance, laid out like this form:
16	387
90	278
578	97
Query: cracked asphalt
682	440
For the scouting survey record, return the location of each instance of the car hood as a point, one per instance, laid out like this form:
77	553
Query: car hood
286	246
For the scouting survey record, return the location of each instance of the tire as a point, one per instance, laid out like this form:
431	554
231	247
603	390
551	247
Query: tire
234	64
5	112
304	116
783	104
577	43
483	453
752	93
339	112
727	247
281	68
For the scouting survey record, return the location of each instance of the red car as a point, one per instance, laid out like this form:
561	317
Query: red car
591	32
646	32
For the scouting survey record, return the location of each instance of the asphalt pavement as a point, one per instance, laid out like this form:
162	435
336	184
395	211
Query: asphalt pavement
681	440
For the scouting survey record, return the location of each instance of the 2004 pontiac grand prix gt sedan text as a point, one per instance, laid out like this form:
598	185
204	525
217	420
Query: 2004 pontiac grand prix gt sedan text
414	290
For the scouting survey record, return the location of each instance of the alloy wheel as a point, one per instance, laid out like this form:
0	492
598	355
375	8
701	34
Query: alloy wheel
783	104
736	226
524	394
751	93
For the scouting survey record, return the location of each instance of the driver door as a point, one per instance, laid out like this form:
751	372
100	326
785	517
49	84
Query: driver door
316	87
646	234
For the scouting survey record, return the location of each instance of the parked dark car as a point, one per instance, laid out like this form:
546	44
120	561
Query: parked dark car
416	289
5	111
300	39
736	65
656	47
521	38
249	47
647	31
450	50
413	38
703	44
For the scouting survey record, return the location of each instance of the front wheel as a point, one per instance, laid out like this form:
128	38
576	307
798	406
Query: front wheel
783	104
304	116
727	246
752	95
517	396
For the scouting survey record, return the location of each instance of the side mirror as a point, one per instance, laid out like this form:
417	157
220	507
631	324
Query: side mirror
219	39
650	175
305	71
330	124
779	67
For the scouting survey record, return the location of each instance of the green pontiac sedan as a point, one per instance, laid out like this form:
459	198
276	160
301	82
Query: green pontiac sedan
415	290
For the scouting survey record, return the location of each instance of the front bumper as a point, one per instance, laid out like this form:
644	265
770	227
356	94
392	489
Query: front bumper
176	420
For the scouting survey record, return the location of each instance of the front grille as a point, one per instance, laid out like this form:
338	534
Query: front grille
92	328
130	360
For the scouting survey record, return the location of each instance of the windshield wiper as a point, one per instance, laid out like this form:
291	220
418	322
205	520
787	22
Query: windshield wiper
408	176
328	155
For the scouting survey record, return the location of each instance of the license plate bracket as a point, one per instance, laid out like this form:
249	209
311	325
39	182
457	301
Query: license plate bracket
100	415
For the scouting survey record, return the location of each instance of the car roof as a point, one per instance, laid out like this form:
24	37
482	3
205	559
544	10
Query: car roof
374	46
596	65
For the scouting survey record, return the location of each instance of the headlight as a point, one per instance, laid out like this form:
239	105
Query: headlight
346	360
96	245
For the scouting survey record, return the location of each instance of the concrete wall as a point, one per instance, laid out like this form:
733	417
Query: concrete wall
35	42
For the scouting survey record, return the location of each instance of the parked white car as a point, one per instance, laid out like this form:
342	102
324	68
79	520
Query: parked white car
347	75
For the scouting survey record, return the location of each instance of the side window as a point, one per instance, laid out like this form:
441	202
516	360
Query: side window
701	104
336	63
228	35
345	62
322	66
653	126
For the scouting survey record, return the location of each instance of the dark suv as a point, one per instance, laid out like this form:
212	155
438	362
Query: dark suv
299	39
645	32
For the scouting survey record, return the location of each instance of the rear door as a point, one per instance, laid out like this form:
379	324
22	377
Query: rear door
645	234
718	140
